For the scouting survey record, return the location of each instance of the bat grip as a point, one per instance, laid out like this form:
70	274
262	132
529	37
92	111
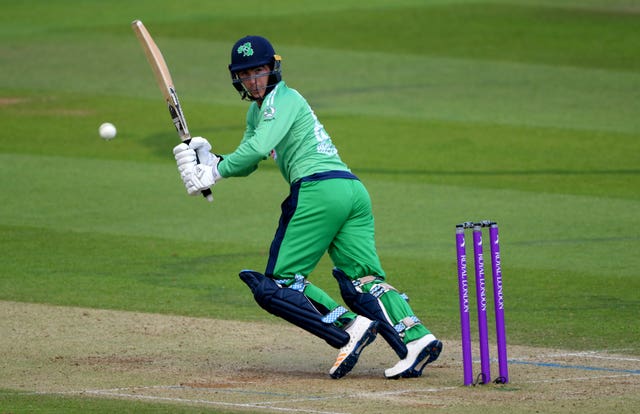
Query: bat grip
206	193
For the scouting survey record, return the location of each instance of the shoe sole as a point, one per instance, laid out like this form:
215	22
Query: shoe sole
430	353
350	361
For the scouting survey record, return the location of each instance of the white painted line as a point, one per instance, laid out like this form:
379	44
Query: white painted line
200	401
400	392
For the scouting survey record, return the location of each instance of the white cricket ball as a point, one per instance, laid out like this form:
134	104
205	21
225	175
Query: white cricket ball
107	131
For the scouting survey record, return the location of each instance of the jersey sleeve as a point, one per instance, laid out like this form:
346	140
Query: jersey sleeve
232	165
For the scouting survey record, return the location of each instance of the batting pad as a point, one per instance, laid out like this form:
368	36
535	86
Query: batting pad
368	305
292	306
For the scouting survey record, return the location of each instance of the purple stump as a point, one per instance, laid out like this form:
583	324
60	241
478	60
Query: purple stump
498	302
481	297
463	291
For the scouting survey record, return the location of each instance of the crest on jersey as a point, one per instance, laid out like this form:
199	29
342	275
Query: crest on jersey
269	113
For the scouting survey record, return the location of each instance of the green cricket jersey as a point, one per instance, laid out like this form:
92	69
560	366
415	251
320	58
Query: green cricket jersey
328	212
286	129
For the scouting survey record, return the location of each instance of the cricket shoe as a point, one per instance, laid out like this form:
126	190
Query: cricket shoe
420	352
362	332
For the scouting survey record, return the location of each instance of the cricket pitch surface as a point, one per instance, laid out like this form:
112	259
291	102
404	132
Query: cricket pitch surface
275	367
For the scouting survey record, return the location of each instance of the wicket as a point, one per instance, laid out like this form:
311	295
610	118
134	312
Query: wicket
463	289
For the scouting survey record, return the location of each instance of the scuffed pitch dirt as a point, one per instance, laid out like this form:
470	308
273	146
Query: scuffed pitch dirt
7	101
268	367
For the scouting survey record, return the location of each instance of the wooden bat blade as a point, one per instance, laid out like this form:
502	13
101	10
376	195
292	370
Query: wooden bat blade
163	78
154	57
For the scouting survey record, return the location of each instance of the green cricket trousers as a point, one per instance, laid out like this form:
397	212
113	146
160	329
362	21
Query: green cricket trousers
331	212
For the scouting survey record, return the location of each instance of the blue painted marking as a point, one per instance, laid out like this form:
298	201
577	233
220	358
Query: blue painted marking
581	367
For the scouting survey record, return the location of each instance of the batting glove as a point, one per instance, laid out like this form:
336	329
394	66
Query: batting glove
200	177
185	157
202	148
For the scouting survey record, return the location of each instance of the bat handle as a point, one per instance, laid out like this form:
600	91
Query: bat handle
206	193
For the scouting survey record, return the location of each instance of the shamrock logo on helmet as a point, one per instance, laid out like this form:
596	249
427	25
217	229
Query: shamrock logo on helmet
245	49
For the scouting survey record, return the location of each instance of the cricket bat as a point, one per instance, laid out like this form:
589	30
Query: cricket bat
163	78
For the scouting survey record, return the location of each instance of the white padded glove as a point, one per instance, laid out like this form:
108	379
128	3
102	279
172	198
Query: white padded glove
185	157
199	177
202	148
196	177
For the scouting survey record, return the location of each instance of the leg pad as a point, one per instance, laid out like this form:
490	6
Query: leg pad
292	306
368	305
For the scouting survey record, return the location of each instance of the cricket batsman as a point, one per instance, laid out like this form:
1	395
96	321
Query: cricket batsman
328	209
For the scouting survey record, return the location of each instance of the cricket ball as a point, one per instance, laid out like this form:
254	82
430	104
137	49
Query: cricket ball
107	131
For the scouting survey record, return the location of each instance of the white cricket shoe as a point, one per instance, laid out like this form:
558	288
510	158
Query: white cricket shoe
420	352
362	332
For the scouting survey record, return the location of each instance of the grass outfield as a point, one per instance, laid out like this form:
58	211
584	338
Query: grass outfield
525	112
